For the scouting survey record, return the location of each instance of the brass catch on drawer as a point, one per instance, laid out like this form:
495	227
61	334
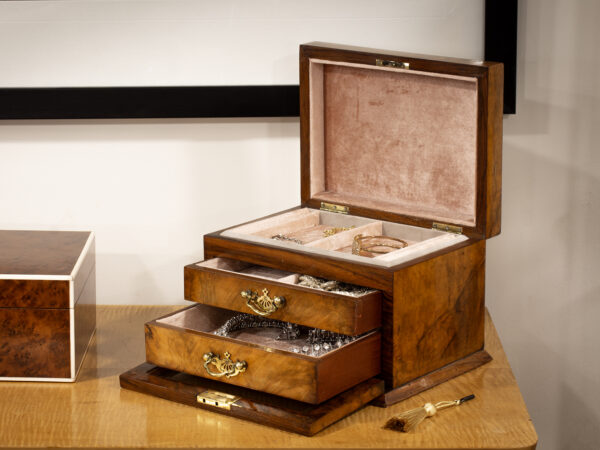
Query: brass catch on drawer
225	366
262	305
218	399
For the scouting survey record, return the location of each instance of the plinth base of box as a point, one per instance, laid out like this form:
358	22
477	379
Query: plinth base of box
265	409
432	379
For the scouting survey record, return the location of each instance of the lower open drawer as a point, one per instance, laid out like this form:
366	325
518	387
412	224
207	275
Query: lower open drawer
255	358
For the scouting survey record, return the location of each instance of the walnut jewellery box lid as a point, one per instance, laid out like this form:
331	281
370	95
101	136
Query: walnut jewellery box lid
402	138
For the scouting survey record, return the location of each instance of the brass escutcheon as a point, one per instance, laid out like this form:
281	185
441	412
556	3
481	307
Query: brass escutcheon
262	305
225	366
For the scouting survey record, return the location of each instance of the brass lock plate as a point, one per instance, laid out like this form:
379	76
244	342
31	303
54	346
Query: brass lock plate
217	399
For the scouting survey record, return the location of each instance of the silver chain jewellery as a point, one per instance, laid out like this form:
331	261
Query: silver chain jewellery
311	341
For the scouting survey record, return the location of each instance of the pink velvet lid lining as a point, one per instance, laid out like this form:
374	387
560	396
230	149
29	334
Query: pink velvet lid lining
395	140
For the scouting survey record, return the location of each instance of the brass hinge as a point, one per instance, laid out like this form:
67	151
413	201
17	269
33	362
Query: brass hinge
334	208
396	64
445	227
218	399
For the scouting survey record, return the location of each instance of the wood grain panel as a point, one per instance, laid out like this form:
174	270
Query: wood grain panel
251	405
494	150
346	367
434	378
34	293
85	317
35	343
87	267
438	312
270	370
319	309
40	252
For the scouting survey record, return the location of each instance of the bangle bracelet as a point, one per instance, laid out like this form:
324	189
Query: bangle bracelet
376	245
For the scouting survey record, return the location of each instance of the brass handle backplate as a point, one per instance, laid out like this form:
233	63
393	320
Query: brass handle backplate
225	366
262	305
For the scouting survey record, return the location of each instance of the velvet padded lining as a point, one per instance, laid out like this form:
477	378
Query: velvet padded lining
395	140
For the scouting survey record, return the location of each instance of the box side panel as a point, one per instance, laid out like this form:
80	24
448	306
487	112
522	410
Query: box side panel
438	312
35	343
342	370
387	339
494	149
21	293
84	267
85	318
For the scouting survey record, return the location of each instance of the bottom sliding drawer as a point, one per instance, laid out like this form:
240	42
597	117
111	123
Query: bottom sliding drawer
303	368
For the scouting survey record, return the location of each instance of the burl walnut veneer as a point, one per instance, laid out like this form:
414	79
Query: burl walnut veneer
47	303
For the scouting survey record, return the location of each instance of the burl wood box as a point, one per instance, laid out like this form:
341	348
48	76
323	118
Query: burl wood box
47	304
397	145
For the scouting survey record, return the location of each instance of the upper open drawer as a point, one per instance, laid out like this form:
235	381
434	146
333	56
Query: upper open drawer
285	296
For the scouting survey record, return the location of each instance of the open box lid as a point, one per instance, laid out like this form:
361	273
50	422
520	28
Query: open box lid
402	138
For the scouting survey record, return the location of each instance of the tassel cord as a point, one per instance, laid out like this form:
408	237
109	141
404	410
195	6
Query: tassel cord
410	419
447	404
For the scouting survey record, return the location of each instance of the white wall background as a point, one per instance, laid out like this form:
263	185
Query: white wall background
543	279
151	188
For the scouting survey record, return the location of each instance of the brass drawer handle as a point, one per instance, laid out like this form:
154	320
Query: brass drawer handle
262	305
225	366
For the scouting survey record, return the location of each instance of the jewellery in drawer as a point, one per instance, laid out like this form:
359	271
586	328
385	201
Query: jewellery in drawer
336	287
283	237
335	230
374	245
289	331
319	342
316	342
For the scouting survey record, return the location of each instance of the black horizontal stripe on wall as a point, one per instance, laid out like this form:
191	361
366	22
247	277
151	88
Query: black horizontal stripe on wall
149	102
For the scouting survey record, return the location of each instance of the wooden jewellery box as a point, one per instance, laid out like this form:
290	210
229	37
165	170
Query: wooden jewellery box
391	145
47	303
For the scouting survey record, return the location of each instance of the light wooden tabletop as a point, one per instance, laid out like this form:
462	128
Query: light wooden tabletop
96	413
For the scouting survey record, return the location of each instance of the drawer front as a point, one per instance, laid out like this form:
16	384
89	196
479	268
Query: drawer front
283	301
177	342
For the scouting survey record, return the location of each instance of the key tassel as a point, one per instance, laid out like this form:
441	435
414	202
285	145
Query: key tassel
408	420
